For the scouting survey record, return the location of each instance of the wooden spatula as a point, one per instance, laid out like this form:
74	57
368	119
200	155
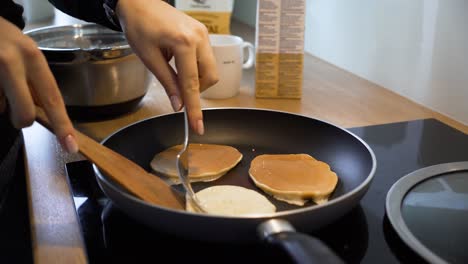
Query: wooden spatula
129	175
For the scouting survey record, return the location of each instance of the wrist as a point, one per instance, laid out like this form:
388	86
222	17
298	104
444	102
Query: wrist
126	9
121	9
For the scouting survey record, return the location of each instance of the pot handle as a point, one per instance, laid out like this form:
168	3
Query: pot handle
301	247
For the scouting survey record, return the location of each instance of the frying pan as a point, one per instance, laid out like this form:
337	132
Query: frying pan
252	132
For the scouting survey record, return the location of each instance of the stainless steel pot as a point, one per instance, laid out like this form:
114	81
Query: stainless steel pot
95	68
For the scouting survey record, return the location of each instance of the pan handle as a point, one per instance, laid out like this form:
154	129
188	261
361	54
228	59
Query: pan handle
302	248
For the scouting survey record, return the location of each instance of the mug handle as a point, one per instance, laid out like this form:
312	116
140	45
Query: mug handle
251	56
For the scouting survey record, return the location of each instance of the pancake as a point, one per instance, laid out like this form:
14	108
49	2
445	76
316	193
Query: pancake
293	178
230	200
208	162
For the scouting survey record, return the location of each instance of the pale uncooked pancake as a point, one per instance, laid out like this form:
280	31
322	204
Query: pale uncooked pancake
207	162
230	200
293	178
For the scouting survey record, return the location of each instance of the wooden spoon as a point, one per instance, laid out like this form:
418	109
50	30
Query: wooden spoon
133	178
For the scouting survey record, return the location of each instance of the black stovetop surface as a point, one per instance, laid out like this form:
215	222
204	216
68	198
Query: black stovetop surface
362	236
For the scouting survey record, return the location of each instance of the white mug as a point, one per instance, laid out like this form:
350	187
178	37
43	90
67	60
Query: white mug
229	53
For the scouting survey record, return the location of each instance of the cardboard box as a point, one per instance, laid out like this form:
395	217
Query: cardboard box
279	43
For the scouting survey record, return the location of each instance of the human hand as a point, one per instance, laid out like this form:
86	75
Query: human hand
157	32
26	81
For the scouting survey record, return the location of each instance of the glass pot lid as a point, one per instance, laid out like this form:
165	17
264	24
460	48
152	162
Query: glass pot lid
429	210
80	42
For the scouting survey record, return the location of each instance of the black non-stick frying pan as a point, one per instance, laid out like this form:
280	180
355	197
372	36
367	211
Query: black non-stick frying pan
252	132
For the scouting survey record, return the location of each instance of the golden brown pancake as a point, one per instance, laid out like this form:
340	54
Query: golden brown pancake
232	200
208	162
293	178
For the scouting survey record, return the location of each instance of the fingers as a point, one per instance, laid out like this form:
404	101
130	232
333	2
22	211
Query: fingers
207	70
17	91
13	82
26	80
187	75
48	96
157	63
169	29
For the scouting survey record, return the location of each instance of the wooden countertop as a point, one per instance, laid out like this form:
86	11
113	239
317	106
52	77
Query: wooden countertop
329	93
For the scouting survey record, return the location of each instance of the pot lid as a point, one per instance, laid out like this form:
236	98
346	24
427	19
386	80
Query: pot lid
80	42
429	210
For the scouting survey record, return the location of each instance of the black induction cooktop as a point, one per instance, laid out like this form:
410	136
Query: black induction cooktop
364	235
